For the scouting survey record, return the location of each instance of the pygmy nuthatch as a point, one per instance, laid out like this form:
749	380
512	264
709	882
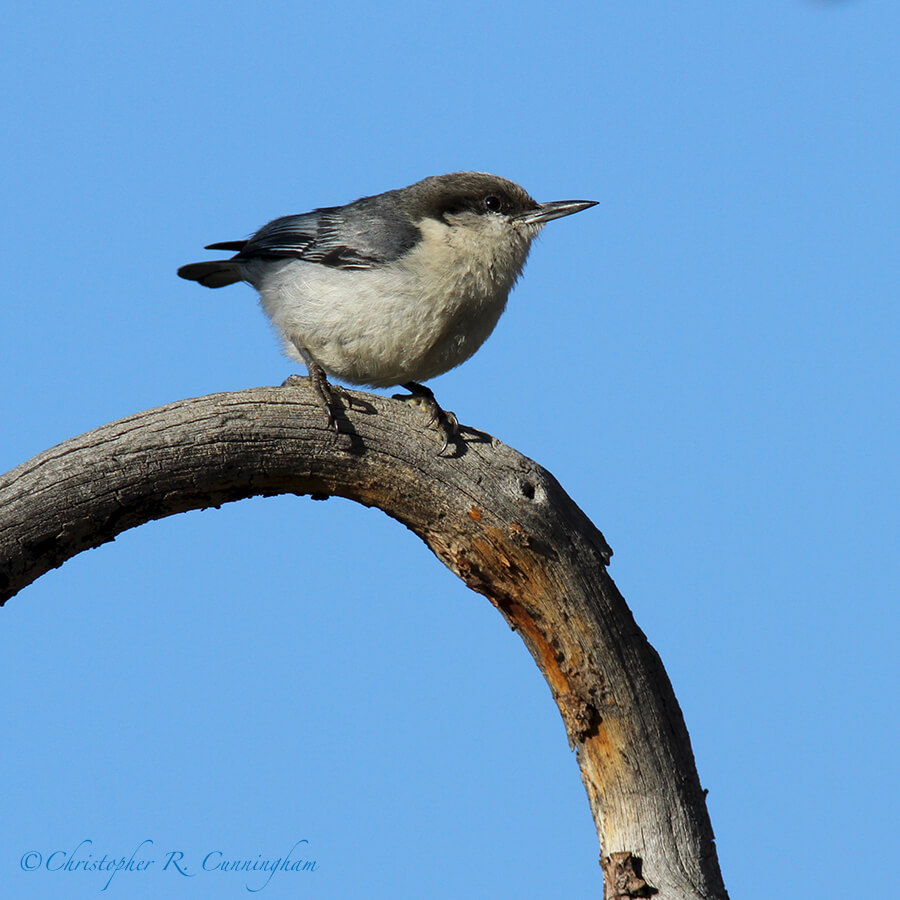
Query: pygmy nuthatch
391	289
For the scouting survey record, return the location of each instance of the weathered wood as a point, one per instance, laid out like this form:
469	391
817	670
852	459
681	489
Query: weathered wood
494	517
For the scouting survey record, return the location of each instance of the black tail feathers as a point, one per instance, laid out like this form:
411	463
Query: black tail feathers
215	274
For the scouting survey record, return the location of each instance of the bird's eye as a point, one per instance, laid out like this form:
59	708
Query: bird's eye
493	203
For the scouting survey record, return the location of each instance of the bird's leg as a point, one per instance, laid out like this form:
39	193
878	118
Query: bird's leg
325	391
444	421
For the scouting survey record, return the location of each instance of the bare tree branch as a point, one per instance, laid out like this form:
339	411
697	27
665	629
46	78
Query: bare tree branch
494	517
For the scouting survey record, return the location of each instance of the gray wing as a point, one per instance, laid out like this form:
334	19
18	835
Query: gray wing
359	236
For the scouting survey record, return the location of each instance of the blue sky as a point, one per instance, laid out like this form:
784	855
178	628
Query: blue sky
707	361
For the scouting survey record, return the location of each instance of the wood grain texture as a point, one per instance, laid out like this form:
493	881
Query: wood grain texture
498	520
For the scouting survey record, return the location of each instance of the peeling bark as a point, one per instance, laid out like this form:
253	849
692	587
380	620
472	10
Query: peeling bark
495	518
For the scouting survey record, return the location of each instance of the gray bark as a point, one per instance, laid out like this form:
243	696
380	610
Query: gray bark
495	518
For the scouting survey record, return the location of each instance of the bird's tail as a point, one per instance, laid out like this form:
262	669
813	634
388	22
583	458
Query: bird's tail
214	274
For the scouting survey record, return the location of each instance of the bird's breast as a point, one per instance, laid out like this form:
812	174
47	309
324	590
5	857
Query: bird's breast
409	320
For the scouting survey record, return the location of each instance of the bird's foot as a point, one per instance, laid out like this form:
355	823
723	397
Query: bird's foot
443	421
325	393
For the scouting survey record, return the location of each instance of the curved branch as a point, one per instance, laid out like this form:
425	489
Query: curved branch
494	517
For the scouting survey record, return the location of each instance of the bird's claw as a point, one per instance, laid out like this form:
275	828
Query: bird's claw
294	380
443	421
325	393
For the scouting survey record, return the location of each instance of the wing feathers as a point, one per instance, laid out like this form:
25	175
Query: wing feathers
237	246
358	236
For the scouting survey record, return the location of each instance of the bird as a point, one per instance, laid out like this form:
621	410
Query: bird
391	289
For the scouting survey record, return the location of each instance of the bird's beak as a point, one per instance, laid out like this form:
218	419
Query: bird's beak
555	210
